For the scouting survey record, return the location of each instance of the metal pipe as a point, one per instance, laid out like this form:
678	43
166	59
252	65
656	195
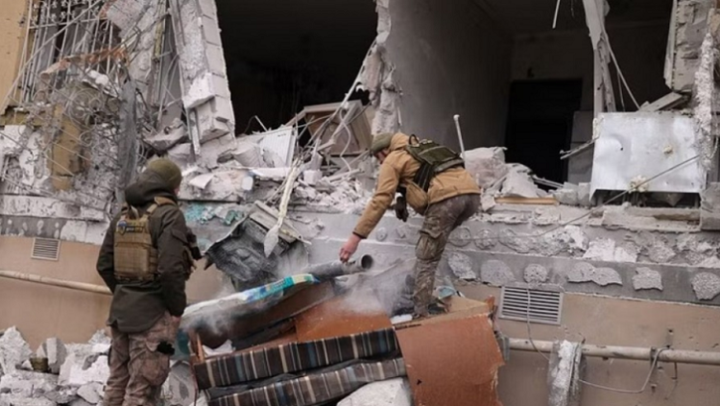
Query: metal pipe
44	280
456	117
334	269
630	353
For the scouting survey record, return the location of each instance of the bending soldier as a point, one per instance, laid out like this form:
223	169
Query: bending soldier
432	180
145	260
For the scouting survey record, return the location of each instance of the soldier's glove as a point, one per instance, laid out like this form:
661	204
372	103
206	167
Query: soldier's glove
194	249
401	210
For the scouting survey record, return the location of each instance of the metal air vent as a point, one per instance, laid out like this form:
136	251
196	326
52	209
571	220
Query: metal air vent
46	249
537	306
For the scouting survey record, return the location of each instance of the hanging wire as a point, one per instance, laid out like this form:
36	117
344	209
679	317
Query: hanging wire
653	365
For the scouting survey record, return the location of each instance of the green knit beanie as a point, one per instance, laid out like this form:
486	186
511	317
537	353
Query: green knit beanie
381	142
168	171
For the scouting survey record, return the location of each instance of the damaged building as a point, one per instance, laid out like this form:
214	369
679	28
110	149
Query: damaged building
589	277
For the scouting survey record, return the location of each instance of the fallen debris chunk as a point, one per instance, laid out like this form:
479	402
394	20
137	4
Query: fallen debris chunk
519	183
567	195
168	137
54	350
393	392
486	165
82	366
91	392
667	102
14	350
249	155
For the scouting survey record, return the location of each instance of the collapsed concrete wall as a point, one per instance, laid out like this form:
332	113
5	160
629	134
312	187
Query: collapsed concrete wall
458	64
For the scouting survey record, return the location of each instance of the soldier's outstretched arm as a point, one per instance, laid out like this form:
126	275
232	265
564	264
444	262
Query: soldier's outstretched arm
172	264
106	259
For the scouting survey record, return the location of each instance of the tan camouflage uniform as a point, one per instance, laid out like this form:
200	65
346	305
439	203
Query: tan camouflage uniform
440	220
452	198
137	369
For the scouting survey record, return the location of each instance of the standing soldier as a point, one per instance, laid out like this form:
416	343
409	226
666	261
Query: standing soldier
145	260
432	180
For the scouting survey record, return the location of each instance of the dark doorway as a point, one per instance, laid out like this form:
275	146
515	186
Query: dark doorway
540	121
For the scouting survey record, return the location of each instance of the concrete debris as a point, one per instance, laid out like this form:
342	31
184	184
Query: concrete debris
100	337
180	388
169	137
249	155
519	183
564	374
346	197
82	367
181	154
312	177
584	197
486	165
81	378
54	350
393	392
705	93
14	350
605	249
91	392
647	279
660	252
11	400
706	285
584	272
462	266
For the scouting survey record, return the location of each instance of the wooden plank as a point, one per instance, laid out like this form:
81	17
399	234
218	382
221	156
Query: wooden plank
549	201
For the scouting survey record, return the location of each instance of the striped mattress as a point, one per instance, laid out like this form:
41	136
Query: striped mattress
248	366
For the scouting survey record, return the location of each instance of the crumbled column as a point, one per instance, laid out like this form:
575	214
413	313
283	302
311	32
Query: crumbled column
564	374
203	69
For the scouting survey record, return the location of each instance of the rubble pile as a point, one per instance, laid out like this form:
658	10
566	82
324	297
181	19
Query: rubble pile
68	374
348	335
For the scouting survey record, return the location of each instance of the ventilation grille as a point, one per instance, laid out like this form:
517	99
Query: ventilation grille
46	249
540	307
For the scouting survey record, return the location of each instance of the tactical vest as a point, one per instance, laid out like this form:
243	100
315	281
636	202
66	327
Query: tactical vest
434	159
135	256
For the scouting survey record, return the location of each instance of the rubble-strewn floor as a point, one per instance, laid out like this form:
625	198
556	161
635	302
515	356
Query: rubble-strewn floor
76	376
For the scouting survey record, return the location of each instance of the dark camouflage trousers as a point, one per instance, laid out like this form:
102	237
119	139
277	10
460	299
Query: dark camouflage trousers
440	220
137	369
